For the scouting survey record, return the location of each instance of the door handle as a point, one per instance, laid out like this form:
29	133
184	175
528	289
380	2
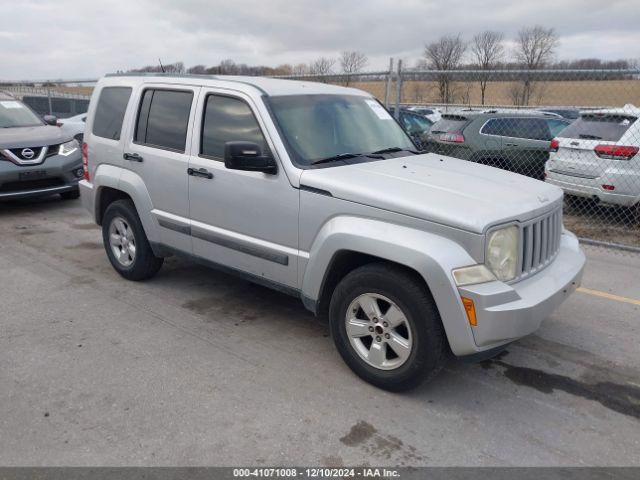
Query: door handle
133	157
202	172
511	144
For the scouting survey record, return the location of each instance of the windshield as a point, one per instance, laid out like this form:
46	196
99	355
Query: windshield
15	114
318	127
609	127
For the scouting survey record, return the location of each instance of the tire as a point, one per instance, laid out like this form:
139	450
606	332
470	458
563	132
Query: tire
137	263
72	195
422	329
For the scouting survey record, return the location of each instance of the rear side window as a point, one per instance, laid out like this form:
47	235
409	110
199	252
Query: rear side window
495	126
527	128
449	125
531	129
163	119
228	119
599	127
112	105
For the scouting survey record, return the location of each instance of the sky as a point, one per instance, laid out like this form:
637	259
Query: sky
46	39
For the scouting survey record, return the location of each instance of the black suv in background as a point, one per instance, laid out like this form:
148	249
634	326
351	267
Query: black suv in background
518	142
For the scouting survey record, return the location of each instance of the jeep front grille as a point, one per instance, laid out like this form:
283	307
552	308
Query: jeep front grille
540	242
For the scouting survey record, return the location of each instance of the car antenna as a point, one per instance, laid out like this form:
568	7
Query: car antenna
161	67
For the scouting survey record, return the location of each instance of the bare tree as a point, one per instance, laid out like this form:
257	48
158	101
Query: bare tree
300	69
488	52
352	62
322	67
444	55
535	48
197	70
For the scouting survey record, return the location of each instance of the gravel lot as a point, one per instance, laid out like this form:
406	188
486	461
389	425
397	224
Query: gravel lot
199	368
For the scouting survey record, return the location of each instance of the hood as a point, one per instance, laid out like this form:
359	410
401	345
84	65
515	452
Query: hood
440	189
37	136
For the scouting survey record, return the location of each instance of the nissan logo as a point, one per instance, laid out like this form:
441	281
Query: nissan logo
27	153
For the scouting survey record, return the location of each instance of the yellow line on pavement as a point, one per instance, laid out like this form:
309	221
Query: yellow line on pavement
609	296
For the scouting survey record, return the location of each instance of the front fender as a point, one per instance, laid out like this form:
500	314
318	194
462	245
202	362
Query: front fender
432	256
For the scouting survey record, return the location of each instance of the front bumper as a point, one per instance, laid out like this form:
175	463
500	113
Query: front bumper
57	174
508	312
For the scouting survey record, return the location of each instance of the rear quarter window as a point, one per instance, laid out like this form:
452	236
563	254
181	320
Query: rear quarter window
599	127
112	105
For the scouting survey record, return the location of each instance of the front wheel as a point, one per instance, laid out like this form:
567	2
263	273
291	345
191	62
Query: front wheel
387	328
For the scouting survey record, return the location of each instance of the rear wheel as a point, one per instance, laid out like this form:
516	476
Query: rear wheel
387	328
126	243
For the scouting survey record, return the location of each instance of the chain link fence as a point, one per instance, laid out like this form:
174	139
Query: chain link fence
577	129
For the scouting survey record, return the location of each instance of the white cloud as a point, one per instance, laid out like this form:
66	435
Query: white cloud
75	38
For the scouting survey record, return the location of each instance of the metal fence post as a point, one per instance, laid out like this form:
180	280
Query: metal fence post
387	90
396	113
49	98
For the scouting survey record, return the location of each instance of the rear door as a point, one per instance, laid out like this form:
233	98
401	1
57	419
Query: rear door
576	154
489	150
158	151
526	145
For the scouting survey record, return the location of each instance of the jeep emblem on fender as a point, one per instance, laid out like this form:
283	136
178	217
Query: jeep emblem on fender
27	153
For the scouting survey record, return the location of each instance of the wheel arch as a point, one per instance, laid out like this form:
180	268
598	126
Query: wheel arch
345	243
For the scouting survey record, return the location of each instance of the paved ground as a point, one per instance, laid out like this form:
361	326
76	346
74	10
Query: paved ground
199	368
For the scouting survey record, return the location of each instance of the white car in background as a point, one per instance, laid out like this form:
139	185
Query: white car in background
431	113
597	157
74	125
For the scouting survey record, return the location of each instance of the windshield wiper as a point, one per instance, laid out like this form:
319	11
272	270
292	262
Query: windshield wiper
587	136
340	156
393	150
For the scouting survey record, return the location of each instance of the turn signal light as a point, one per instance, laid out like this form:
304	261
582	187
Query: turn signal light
470	310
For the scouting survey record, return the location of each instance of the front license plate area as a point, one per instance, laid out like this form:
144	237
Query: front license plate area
32	175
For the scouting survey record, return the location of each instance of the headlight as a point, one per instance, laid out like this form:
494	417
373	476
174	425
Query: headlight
502	253
472	275
68	148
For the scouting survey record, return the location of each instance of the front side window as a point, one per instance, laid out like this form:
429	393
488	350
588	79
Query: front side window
14	113
318	127
228	119
163	119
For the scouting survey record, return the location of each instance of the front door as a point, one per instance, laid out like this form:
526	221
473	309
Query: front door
247	221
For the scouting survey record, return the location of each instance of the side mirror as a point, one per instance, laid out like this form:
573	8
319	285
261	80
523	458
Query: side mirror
50	120
248	156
